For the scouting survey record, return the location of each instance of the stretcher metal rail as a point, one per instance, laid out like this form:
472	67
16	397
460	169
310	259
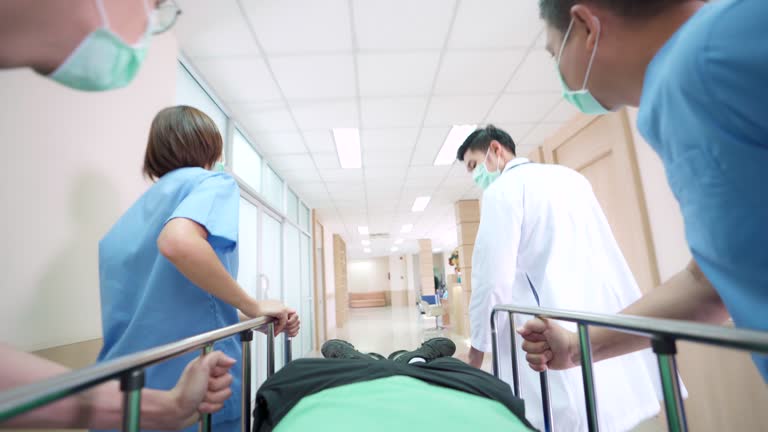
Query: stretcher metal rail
664	335
130	371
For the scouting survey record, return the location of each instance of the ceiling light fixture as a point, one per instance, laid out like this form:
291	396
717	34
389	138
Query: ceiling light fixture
406	228
453	141
363	230
420	203
437	250
394	249
348	147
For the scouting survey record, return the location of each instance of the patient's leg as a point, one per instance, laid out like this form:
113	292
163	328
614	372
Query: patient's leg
339	349
429	350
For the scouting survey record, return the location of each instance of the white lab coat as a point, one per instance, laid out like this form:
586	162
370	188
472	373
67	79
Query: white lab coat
544	223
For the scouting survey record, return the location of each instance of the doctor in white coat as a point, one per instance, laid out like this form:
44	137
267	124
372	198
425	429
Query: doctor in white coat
544	240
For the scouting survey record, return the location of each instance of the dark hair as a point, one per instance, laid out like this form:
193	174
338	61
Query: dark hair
481	140
557	13
181	136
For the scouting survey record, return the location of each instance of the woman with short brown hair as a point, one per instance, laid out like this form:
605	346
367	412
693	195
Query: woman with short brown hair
167	268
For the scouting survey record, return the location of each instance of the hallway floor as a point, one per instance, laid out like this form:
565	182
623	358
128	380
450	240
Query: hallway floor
387	329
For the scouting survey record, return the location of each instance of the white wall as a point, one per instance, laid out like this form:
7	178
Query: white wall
668	232
72	167
369	275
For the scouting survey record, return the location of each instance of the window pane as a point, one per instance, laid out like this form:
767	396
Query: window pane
246	163
293	207
248	278
271	270
304	218
189	92
293	283
307	302
273	189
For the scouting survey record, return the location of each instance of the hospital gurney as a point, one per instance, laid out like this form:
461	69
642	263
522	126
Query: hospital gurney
130	371
664	335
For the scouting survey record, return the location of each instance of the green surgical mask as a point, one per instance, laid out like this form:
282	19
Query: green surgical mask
103	61
482	177
581	99
218	167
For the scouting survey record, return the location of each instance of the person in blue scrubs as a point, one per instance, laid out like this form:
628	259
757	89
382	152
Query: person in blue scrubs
167	268
698	72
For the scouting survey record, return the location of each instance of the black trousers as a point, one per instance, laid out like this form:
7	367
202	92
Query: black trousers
305	377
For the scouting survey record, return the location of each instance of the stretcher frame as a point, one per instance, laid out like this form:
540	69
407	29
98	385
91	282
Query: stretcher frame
130	371
664	335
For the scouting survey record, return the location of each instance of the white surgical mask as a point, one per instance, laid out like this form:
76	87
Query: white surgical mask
582	99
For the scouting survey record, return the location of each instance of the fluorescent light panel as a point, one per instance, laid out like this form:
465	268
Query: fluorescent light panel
394	249
453	141
420	203
406	228
348	147
363	230
437	250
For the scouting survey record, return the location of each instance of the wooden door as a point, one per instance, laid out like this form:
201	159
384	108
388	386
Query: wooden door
725	390
537	155
601	148
340	279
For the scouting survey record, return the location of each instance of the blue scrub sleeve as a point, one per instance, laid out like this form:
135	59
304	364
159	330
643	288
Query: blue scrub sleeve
734	66
215	204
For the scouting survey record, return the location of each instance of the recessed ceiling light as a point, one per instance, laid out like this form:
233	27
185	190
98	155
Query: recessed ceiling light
363	230
420	203
399	241
348	147
394	249
406	228
453	141
366	242
367	250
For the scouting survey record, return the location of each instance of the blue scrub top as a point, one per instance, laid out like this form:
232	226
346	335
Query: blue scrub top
146	301
704	109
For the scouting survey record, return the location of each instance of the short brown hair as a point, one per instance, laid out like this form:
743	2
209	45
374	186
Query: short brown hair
181	136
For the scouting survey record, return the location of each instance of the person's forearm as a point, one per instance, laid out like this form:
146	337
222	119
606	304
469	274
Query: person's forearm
686	296
194	257
98	408
102	408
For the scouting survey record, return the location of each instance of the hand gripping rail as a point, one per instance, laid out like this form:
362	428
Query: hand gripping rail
664	335
130	371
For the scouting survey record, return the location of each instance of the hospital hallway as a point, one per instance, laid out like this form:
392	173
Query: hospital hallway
384	172
386	329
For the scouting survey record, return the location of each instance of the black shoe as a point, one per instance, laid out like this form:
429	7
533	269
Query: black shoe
339	349
429	350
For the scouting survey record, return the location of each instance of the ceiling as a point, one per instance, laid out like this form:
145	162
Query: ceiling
402	71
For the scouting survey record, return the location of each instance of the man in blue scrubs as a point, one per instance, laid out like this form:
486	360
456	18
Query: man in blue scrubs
699	74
